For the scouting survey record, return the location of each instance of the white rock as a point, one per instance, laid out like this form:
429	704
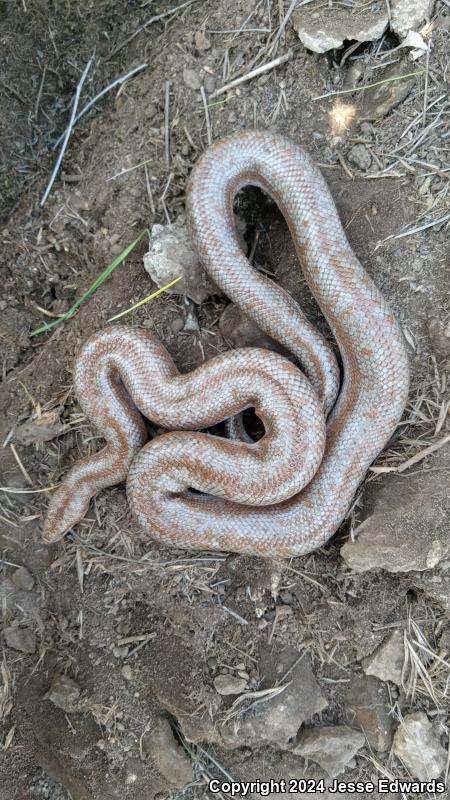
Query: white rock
319	30
172	254
416	744
229	684
409	14
386	663
332	747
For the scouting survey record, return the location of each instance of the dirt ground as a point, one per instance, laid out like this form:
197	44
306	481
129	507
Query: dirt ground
112	689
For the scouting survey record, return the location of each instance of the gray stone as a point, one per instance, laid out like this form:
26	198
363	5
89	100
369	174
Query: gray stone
202	42
386	663
209	83
360	157
406	15
368	710
331	747
419	748
172	254
321	28
406	528
240	330
377	102
167	755
191	79
64	692
278	719
21	639
229	684
23	579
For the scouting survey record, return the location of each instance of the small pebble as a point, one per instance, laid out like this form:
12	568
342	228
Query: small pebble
23	579
229	684
127	672
209	84
360	157
191	79
21	639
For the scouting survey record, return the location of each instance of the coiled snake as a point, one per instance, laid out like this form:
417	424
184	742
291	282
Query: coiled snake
288	493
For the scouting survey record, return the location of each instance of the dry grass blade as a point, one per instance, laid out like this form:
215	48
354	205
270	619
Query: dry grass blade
6	702
369	85
150	296
260	696
424	671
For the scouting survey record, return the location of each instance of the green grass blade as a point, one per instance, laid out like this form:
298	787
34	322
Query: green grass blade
93	287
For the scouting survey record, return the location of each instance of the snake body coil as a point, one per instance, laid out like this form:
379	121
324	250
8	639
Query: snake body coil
286	494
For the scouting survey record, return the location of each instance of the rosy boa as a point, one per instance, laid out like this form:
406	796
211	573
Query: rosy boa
288	493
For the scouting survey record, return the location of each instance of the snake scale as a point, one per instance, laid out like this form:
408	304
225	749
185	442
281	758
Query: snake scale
286	494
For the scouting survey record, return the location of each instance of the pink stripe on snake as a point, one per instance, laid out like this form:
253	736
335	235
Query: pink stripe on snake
288	493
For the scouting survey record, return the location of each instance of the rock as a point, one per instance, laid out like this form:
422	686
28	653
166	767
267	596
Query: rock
64	692
172	254
21	639
407	520
386	663
320	28
23	579
41	429
332	747
439	337
407	15
191	79
368	710
209	84
360	157
237	328
435	584
202	42
229	684
12	598
167	755
380	100
278	719
418	747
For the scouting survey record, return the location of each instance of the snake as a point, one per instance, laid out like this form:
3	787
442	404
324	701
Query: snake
325	418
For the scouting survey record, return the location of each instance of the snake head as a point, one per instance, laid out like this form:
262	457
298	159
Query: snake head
68	506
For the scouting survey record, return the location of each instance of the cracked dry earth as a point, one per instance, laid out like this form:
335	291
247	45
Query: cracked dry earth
129	669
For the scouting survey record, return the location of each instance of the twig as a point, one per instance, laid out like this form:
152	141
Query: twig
67	133
98	96
150	21
425	90
39	95
206	110
283	24
414	459
253	74
130	169
369	85
149	191
167	124
20	465
411	231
